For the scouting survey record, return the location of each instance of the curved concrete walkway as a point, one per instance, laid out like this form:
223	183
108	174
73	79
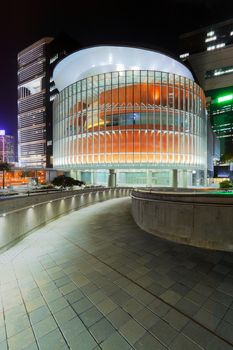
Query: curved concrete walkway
94	280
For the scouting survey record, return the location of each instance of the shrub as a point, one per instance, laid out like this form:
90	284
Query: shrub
226	184
66	181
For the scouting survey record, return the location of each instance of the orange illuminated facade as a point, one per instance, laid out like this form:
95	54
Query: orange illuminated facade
147	122
21	177
130	119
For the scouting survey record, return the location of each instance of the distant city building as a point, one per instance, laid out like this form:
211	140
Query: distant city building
209	52
129	116
36	92
7	147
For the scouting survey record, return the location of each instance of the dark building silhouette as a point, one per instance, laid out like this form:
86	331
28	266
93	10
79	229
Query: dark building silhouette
36	91
209	52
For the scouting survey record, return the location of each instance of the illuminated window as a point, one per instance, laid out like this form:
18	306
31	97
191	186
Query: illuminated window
53	59
51	98
211	33
225	98
31	88
184	55
210	39
210	48
231	33
220	45
219	71
213	47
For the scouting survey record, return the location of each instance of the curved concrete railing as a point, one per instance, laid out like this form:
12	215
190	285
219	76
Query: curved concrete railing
19	216
201	220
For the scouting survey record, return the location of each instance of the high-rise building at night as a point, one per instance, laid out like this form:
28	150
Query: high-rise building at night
36	92
7	147
209	52
129	116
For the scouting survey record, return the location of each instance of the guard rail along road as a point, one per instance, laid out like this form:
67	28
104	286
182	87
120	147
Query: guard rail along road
19	216
201	220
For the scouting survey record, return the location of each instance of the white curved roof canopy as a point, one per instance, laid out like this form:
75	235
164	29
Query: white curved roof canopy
104	59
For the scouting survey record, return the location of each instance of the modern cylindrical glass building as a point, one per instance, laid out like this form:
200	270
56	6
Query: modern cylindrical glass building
134	111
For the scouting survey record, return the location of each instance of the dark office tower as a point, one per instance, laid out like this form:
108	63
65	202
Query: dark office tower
33	96
36	92
209	52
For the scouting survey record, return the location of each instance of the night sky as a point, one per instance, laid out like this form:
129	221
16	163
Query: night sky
156	23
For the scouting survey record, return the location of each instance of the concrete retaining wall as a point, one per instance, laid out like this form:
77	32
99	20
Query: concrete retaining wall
22	215
203	221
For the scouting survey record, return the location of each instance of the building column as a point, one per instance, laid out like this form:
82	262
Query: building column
205	178
184	178
112	178
149	178
93	177
174	178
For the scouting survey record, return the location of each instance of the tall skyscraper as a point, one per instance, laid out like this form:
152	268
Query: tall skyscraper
33	78
36	92
7	147
209	52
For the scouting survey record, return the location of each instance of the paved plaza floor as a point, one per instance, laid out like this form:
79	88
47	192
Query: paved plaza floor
93	280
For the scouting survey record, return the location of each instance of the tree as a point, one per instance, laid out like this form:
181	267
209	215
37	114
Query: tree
226	184
4	167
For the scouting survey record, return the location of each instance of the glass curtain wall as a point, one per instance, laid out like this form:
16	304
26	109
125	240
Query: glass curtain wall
128	118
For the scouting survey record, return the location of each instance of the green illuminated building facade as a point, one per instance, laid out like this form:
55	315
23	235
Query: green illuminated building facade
220	106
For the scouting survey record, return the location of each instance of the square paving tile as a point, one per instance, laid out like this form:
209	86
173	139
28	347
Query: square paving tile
35	304
106	306
163	332
187	306
101	330
148	342
222	298
3	345
72	328
228	317
58	304
44	327
144	297
180	289
62	281
39	314
91	316
159	308
132	306
197	334
82	305
182	342
52	340
170	297
2	332
118	317
132	331
224	329
21	340
82	341
196	297
120	297
176	319
115	342
146	318
17	325
74	296
64	315
207	319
